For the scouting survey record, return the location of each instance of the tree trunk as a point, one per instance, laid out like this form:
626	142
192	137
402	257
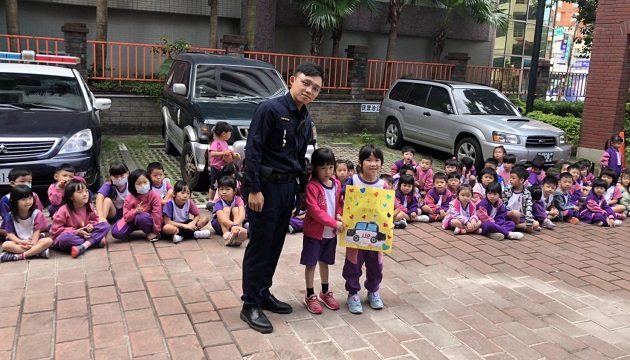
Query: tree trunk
251	24
336	38
100	56
214	23
438	45
316	39
13	23
395	9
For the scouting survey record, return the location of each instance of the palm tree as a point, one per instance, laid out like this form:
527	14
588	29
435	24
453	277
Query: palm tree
100	57
214	23
13	23
337	31
251	24
395	11
482	12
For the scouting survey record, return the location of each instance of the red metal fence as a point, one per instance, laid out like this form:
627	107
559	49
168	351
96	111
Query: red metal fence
510	81
381	74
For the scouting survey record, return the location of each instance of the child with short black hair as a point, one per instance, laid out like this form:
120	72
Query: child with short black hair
612	157
613	193
341	171
23	226
407	202
461	216
219	152
508	164
491	163
63	174
492	213
567	209
388	179
406	169
536	171
110	198
408	153
453	165
75	225
576	188
499	153
585	173
595	209
159	183
518	200
437	200
424	175
350	165
18	176
453	182
229	213
177	222
486	176
469	171
550	184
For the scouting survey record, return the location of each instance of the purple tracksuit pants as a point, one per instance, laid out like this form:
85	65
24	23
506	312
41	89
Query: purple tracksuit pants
352	269
67	240
297	224
492	227
143	221
591	218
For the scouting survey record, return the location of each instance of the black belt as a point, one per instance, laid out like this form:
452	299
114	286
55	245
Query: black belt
281	178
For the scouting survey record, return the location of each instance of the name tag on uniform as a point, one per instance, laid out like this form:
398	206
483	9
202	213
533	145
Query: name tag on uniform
285	119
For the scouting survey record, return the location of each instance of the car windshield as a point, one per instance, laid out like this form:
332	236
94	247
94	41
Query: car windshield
40	92
360	226
483	102
372	227
236	81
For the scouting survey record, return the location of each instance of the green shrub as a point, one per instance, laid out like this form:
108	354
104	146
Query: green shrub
569	124
561	108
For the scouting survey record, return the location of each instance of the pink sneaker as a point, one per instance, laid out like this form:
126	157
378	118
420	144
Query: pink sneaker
329	300
312	304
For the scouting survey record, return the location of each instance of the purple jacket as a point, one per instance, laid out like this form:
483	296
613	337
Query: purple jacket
412	202
485	208
595	205
610	160
433	198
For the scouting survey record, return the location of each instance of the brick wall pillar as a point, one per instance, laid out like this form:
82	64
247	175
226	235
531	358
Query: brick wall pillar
608	79
460	61
234	45
75	43
542	78
357	69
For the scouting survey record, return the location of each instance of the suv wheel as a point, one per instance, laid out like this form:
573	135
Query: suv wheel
469	147
393	135
196	180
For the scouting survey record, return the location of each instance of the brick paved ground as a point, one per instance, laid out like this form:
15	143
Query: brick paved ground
560	294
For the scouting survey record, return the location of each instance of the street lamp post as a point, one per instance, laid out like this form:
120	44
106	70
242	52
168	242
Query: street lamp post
533	71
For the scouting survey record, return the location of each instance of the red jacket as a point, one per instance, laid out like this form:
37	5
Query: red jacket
316	211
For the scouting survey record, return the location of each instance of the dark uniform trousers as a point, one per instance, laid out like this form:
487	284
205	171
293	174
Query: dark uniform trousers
267	230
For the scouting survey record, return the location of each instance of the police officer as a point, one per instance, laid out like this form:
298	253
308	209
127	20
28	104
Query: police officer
274	162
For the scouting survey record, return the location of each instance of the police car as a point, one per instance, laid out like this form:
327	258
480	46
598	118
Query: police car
366	230
48	117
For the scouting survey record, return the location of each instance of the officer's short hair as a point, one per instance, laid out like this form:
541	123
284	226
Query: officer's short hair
309	69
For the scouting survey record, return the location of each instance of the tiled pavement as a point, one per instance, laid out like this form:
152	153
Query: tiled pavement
561	294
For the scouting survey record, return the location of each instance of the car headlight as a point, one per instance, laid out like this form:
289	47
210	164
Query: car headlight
80	141
563	139
501	137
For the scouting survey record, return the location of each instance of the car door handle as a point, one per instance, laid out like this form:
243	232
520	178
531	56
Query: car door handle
426	113
401	107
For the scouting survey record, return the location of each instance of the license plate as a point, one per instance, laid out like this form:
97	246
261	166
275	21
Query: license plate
547	155
4	176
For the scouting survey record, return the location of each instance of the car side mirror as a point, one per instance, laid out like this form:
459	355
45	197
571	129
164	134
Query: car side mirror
521	110
102	104
179	89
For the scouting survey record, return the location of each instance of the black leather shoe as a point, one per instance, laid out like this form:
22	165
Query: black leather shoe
274	305
256	319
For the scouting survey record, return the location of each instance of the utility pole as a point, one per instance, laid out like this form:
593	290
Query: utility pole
533	71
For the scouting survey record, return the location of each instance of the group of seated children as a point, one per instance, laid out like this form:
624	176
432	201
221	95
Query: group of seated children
505	196
138	200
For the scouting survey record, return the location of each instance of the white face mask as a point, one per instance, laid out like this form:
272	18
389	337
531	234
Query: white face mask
120	182
143	190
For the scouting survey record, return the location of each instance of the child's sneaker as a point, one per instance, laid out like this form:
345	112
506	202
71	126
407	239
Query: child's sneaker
496	236
7	256
375	300
548	224
241	237
479	231
44	254
574	220
398	224
312	304
354	304
459	231
329	300
202	234
100	244
230	238
423	218
75	251
621	216
618	222
435	217
291	229
177	238
210	205
598	223
515	235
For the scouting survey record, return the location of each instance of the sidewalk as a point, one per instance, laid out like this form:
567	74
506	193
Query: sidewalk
560	294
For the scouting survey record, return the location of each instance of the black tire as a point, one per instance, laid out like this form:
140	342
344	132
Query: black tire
169	149
196	180
393	135
355	238
469	147
373	240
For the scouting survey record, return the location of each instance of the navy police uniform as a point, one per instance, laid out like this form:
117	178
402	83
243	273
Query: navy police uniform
274	161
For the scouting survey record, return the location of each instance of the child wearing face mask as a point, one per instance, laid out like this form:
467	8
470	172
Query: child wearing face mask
142	209
111	196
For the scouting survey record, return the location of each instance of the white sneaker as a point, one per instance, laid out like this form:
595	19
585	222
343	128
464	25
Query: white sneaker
598	223
201	234
177	238
291	229
618	222
496	236
548	224
515	235
423	218
459	231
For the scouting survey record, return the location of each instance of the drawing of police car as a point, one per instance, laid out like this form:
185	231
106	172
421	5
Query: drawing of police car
366	230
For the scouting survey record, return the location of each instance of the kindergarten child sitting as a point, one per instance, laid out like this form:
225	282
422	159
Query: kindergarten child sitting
492	213
407	159
407	202
177	222
595	209
519	200
567	208
438	199
229	213
461	216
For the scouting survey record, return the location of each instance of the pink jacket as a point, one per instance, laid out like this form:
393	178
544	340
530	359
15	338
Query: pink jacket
316	212
65	220
424	179
55	195
152	204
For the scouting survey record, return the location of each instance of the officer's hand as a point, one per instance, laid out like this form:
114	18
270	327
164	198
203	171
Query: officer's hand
256	201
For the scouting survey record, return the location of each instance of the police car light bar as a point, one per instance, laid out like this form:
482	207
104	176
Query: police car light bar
29	55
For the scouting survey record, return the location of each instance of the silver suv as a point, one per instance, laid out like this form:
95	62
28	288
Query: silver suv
466	120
